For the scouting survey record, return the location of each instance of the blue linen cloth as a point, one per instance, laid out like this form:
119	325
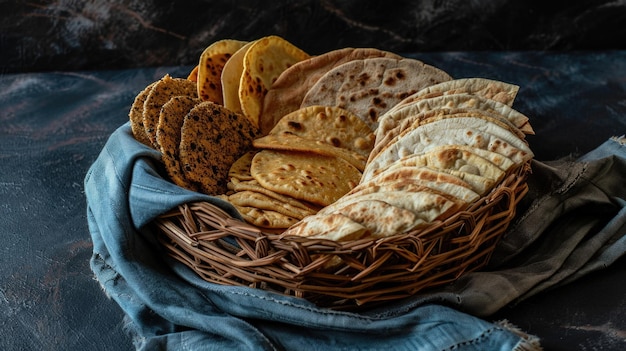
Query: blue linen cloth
580	204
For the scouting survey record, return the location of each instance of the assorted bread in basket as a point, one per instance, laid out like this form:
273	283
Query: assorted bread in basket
360	176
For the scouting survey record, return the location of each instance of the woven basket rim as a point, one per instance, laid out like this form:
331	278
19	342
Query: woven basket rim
347	274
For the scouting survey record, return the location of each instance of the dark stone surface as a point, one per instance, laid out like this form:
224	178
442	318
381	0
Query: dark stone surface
76	35
53	125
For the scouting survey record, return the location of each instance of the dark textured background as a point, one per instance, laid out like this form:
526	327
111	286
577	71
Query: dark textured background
76	35
54	124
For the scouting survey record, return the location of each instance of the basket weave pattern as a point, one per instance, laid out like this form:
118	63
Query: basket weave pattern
224	250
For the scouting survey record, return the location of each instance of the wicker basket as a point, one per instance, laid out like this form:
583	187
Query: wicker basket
345	275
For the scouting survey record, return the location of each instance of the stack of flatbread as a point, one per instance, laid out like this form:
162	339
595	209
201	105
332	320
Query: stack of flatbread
301	166
352	143
436	152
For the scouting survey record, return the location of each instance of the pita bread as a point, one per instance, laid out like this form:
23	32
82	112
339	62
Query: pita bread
287	92
254	186
265	218
370	87
452	131
212	61
388	136
240	169
231	79
382	219
490	89
427	205
290	142
333	226
309	177
401	177
449	159
332	125
263	62
264	202
454	101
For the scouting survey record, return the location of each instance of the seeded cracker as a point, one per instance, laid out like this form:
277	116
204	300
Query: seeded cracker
136	116
162	92
212	139
168	136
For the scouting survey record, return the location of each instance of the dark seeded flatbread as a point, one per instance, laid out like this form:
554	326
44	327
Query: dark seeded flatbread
212	139
168	137
162	92
136	116
370	87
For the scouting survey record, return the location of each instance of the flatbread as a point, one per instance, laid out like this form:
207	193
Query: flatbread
370	87
448	159
488	88
231	79
212	139
333	226
427	205
264	61
453	131
310	177
381	218
253	185
388	132
402	177
456	101
332	125
168	135
265	218
193	74
240	170
210	66
136	116
291	142
264	202
161	93
286	93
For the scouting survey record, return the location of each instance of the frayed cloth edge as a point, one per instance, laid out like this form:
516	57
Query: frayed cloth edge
621	139
528	343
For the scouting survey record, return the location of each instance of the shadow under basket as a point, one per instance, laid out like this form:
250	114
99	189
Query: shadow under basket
342	275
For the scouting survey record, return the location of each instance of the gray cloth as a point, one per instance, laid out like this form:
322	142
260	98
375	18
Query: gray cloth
571	223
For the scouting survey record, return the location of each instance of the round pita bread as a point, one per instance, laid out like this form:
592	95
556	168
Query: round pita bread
287	92
310	177
370	87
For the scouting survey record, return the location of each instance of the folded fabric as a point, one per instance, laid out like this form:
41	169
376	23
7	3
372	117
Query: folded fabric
572	223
